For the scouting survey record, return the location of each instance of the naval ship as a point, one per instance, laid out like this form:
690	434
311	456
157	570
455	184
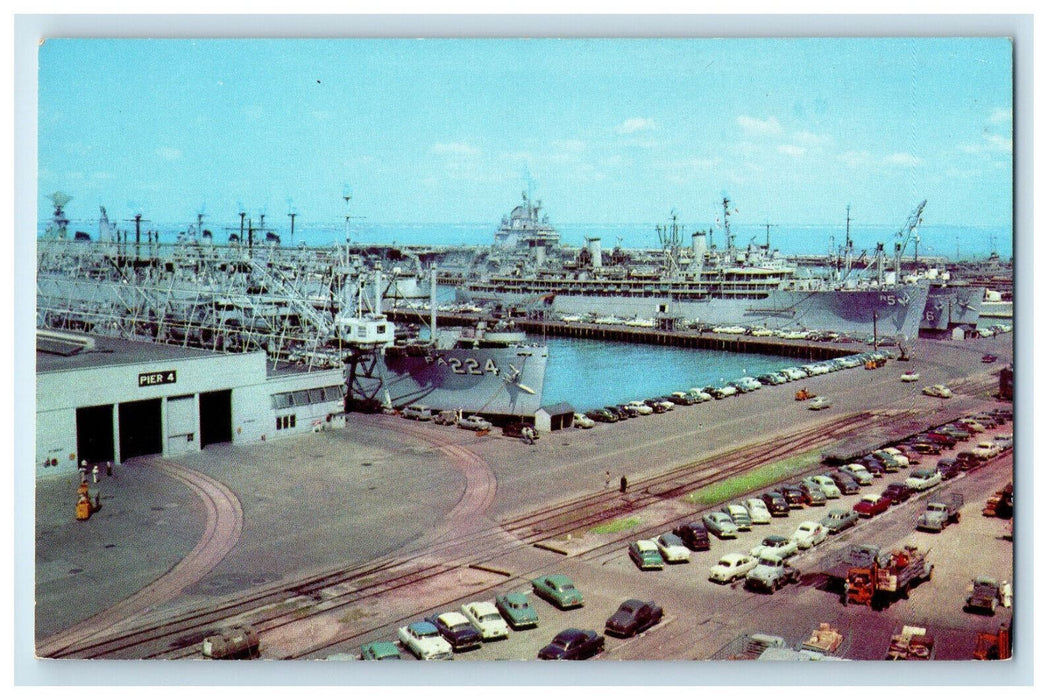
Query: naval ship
306	307
754	286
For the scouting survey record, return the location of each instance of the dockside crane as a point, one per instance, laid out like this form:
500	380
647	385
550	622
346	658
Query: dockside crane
909	229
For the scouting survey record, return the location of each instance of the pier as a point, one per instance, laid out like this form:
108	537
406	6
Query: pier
806	349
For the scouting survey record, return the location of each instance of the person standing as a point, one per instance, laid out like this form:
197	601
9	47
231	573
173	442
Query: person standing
607	478
95	474
622	484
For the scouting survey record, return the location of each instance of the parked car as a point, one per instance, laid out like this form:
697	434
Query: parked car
446	418
600	415
910	453
948	467
814	494
473	423
938	390
700	395
839	519
825	484
985	450
424	641
775	545
417	411
858	473
720	525
618	411
967	460
872	504
484	616
714	392
923	478
694	536
731	567
756	508
517	610
878	464
457	630
573	644
679	398
558	590
770	574
910	376
897	493
639	408
821	402
672	548
846	483
943	439
809	534
740	517
659	404
633	617
893	453
584	421
776	504
957	433
379	651
794	495
927	447
971	424
989	358
645	554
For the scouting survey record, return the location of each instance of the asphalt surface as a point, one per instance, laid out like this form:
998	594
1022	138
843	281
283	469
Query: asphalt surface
316	501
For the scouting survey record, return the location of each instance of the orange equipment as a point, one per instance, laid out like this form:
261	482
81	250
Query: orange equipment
803	394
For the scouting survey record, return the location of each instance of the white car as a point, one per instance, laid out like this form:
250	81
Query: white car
732	566
639	407
727	390
424	641
923	478
985	450
859	473
473	423
825	484
672	548
896	455
939	390
417	411
777	546
700	395
484	616
583	421
819	403
756	508
910	376
809	534
794	373
972	425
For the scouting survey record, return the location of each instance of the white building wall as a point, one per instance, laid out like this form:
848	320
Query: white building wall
56	441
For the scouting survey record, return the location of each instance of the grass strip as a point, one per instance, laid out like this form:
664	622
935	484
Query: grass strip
616	526
755	480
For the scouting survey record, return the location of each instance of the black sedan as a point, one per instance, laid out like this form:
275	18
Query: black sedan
776	504
633	617
794	495
602	416
694	535
456	629
573	645
844	482
897	493
618	411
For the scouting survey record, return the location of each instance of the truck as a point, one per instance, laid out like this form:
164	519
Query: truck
888	577
241	642
940	512
911	644
770	574
983	595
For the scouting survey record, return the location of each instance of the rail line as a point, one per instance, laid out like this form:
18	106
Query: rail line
285	603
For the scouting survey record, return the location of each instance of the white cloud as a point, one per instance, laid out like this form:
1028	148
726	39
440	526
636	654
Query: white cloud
999	143
635	124
768	127
808	138
902	159
789	150
999	116
855	159
454	149
169	153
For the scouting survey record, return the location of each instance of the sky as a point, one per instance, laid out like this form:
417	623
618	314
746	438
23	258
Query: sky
605	130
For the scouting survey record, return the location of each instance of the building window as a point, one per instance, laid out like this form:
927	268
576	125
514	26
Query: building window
285	422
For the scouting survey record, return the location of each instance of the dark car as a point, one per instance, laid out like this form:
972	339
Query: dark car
989	420
618	411
517	430
927	447
659	404
629	414
941	438
768	379
694	535
960	434
877	465
948	468
573	645
602	416
715	392
795	496
814	495
989	359
910	452
778	507
633	617
456	629
967	460
680	399
846	483
897	493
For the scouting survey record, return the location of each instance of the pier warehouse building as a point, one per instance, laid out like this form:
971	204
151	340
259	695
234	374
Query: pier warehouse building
103	399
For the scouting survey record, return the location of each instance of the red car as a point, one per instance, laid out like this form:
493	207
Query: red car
871	504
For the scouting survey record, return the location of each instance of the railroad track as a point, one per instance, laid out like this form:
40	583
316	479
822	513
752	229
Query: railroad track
453	546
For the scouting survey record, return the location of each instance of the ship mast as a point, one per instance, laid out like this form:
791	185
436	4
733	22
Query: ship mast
729	237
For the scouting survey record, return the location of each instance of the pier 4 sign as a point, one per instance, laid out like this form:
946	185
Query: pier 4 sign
154	378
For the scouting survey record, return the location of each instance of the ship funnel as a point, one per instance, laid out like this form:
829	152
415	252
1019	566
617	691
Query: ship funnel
594	245
699	247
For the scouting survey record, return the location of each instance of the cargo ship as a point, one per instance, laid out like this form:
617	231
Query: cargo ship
753	286
307	308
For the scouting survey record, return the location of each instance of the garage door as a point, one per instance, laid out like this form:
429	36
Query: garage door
140	428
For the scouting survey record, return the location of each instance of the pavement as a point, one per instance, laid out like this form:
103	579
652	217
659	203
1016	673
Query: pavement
315	501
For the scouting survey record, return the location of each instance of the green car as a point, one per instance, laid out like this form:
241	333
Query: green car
517	611
559	590
379	651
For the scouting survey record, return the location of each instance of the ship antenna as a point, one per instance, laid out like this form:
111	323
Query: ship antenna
292	219
725	218
849	243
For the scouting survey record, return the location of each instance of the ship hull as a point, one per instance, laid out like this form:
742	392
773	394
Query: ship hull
896	310
473	380
951	306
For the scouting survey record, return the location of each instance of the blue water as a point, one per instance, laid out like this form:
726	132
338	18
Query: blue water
951	242
592	373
